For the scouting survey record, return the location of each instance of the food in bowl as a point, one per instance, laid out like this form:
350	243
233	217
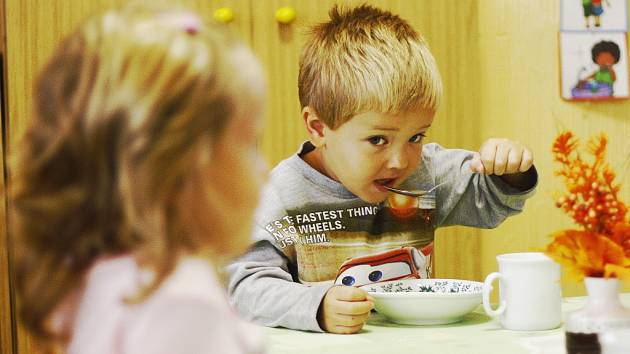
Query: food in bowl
425	301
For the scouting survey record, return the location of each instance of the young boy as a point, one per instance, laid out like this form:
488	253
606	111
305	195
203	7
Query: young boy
369	88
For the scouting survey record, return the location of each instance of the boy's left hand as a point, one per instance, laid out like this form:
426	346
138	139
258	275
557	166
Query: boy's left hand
502	156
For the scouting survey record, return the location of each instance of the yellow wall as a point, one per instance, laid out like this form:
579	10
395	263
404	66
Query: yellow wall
519	98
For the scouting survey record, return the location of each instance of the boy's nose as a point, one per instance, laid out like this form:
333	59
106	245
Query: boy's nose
398	160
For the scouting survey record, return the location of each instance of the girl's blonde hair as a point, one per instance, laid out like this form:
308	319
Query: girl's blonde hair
366	59
124	111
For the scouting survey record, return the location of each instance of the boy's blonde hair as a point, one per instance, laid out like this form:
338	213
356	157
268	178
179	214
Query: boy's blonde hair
124	113
365	59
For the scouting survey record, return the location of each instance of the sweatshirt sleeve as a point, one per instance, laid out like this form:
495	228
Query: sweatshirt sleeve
468	198
262	290
261	285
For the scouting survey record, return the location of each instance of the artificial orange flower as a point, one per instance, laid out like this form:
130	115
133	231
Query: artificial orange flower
621	235
589	254
602	248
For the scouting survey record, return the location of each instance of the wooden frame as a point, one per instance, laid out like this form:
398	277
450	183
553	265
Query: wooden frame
7	303
580	66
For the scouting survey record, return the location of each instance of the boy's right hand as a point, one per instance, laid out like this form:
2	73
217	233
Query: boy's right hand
344	310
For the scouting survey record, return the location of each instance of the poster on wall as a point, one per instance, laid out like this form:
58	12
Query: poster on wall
594	15
594	66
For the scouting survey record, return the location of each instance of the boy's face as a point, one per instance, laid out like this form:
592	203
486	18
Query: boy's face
605	59
372	150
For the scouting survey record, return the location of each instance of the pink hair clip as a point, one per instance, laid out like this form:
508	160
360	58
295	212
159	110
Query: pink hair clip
189	22
190	29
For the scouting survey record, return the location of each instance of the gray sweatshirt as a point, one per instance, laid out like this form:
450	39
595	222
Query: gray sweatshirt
308	227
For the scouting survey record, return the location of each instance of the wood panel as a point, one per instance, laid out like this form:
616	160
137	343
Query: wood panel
450	28
6	313
278	47
33	30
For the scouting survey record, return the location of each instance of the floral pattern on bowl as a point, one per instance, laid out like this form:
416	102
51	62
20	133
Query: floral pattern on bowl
442	286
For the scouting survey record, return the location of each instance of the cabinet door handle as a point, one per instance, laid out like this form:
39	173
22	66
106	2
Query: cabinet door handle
223	15
285	15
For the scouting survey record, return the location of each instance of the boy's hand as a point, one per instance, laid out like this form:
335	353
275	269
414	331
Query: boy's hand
344	310
508	159
502	156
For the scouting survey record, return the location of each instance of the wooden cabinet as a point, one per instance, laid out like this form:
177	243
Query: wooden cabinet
497	58
450	29
6	332
33	29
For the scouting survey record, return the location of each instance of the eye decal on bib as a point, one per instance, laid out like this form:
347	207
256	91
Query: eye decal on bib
348	280
365	274
375	276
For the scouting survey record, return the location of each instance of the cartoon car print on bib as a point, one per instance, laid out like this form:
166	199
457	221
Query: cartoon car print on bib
399	263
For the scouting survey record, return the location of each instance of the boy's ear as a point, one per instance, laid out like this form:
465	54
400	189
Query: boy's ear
315	127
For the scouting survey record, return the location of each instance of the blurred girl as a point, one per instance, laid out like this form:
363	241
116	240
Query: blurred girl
139	169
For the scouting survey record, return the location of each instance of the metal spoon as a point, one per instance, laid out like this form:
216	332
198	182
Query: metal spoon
412	193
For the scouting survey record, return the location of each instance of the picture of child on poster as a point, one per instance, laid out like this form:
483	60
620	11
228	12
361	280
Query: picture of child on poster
593	15
594	66
593	9
600	83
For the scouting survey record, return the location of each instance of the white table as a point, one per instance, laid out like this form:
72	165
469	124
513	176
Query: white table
477	334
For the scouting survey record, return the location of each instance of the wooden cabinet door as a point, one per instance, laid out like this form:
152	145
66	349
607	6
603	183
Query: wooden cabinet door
278	47
450	29
6	310
33	30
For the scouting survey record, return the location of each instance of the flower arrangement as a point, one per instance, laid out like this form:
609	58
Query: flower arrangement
601	245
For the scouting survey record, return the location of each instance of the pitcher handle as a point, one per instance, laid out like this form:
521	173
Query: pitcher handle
487	289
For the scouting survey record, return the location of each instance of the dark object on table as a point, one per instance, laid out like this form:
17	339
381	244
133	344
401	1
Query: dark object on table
582	343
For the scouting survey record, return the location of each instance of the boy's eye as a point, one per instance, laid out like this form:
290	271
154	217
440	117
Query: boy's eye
417	138
377	140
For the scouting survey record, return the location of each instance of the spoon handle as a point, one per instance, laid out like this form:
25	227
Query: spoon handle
404	192
414	193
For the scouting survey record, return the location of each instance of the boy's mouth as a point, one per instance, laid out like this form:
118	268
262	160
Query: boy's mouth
381	183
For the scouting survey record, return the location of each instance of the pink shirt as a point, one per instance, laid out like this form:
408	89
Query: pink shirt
189	313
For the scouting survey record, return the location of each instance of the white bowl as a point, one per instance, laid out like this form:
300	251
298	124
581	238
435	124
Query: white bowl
425	301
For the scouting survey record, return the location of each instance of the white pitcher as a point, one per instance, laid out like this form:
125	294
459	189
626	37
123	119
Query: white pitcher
529	291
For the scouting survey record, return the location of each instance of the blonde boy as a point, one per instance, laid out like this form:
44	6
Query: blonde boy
369	89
